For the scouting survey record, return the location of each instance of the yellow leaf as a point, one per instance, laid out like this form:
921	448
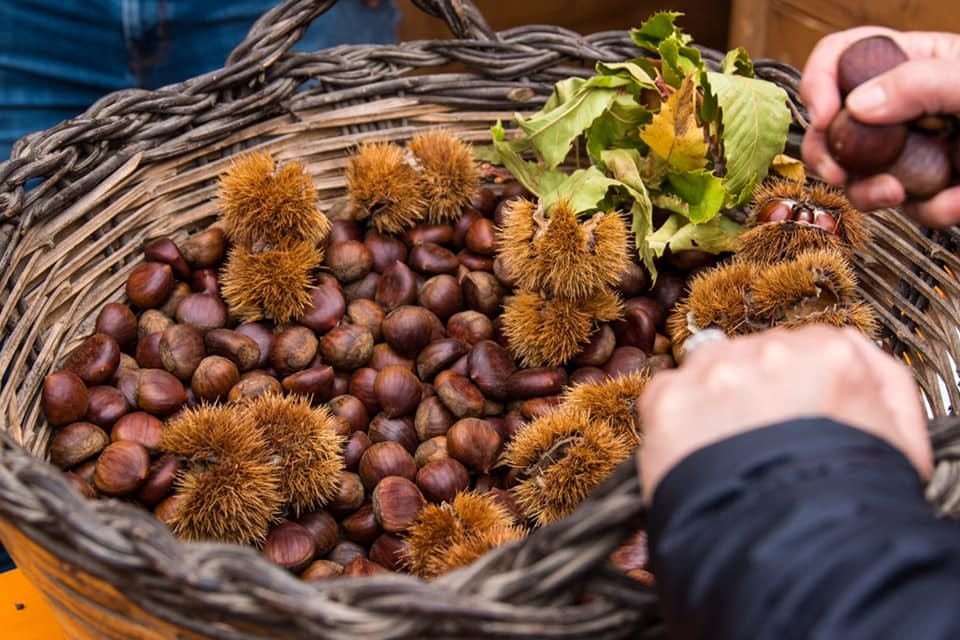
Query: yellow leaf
789	167
674	133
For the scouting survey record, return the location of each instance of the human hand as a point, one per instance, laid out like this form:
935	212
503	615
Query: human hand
730	387
928	83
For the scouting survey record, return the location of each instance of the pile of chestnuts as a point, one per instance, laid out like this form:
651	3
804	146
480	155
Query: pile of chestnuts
401	340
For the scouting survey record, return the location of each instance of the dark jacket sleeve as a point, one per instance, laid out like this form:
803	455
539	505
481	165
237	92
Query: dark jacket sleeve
805	529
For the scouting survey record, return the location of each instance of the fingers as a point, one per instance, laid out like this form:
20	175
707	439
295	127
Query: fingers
815	155
876	192
941	211
901	395
908	90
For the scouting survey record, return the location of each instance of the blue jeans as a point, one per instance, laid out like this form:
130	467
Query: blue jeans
57	57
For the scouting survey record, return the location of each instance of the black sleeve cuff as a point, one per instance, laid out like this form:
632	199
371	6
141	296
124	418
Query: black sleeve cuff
709	477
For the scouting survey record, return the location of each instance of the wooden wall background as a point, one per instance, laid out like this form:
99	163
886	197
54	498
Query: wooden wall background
707	21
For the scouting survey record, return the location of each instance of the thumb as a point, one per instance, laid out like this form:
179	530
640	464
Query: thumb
911	89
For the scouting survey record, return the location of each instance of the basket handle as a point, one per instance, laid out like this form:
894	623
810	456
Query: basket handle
280	28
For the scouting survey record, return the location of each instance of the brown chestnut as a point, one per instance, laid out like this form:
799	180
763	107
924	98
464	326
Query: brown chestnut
159	483
384	459
432	418
397	390
346	347
923	167
399	430
63	398
431	450
290	546
490	366
442	295
264	338
350	495
351	408
442	479
867	58
107	405
361	526
326	308
76	442
294	349
323	528
389	551
149	284
409	329
470	326
536	381
138	426
432	233
118	321
396	503
204	311
321	570
165	250
358	443
474	442
349	261
181	350
385	250
152	321
458	394
397	287
253	384
862	148
95	360
214	377
121	468
206	249
316	382
180	291
430	259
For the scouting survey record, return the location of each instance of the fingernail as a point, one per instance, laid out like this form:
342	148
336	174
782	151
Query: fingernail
867	99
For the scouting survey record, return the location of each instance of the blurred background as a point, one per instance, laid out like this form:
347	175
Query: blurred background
783	29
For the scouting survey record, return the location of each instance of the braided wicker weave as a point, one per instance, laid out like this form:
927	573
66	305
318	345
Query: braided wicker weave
143	164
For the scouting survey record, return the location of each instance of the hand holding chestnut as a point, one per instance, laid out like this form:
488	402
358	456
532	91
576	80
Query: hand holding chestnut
731	387
883	109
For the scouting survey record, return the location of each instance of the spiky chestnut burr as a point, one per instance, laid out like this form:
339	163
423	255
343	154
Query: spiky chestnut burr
579	258
543	331
451	535
273	283
789	217
515	240
858	314
561	457
305	444
558	255
261	203
384	184
816	286
228	487
717	297
613	401
449	175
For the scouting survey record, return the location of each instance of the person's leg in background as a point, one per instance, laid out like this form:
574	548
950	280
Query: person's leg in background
57	57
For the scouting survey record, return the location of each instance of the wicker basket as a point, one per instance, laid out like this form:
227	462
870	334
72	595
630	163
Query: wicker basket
143	164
